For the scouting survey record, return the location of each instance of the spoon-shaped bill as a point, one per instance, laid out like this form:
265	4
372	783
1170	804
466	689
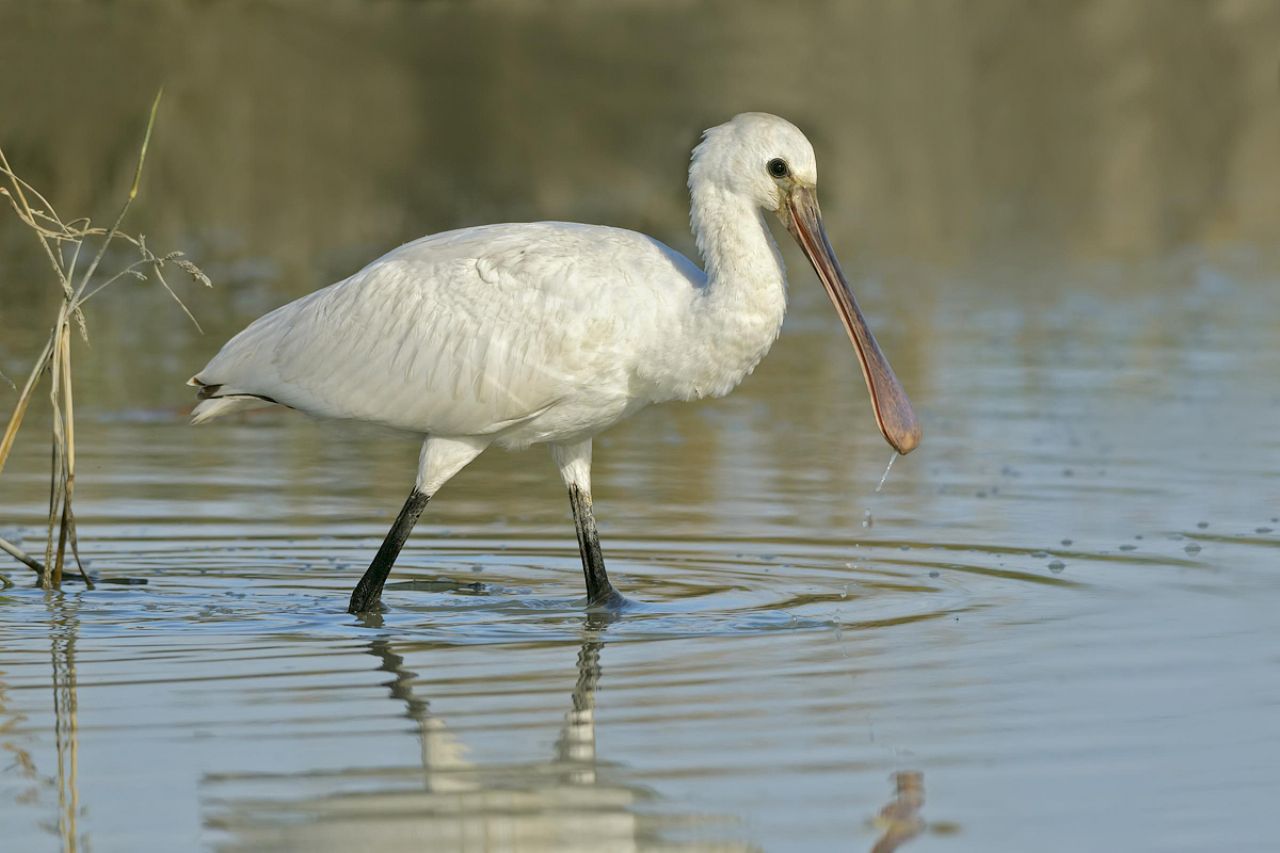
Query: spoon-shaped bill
896	419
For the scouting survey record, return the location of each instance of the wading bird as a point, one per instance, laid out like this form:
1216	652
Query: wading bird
551	332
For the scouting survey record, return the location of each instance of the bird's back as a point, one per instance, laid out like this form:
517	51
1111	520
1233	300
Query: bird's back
467	332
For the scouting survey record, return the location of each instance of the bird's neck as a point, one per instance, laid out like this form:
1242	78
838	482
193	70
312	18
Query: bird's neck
737	317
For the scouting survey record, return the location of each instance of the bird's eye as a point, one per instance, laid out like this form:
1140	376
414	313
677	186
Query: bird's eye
778	167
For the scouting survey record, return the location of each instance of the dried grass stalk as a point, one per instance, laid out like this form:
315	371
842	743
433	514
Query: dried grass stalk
56	237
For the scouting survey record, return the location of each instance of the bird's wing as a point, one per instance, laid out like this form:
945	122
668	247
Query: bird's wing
464	333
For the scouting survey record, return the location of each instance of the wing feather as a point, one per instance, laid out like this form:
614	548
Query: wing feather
464	333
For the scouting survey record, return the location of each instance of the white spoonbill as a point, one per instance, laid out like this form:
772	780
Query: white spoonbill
551	332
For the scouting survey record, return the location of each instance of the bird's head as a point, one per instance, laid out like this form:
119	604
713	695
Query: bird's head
755	156
769	162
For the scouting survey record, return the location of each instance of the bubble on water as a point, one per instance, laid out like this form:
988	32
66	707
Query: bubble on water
935	573
1192	548
1262	530
1066	541
1202	524
1057	566
1128	547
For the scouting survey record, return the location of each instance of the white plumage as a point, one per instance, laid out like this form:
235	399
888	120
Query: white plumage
550	332
526	333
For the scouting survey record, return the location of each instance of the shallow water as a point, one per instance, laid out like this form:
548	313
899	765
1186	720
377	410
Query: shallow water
1059	611
1063	606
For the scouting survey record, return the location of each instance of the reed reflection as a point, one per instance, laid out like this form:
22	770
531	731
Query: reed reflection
16	760
20	763
64	626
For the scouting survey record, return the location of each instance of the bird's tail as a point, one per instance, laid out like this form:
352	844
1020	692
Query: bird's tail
219	400
216	407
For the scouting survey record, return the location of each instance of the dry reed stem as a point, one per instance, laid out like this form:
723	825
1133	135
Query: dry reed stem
55	359
21	556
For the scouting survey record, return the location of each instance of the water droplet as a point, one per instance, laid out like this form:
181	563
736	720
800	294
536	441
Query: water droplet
1128	547
867	520
885	476
1202	524
1039	554
934	573
1066	541
1262	530
1192	548
1057	566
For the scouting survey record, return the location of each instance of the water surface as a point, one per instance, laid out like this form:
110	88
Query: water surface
1056	618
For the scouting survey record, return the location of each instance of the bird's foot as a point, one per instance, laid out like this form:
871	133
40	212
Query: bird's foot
608	599
363	602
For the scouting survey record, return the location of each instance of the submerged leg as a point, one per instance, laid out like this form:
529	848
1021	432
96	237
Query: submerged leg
440	459
574	461
368	592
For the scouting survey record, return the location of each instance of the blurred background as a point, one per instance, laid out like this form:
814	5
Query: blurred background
1056	617
299	140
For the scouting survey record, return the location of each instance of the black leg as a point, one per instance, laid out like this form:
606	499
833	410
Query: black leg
599	590
368	592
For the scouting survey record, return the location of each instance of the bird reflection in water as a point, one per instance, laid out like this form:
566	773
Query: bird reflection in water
568	802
